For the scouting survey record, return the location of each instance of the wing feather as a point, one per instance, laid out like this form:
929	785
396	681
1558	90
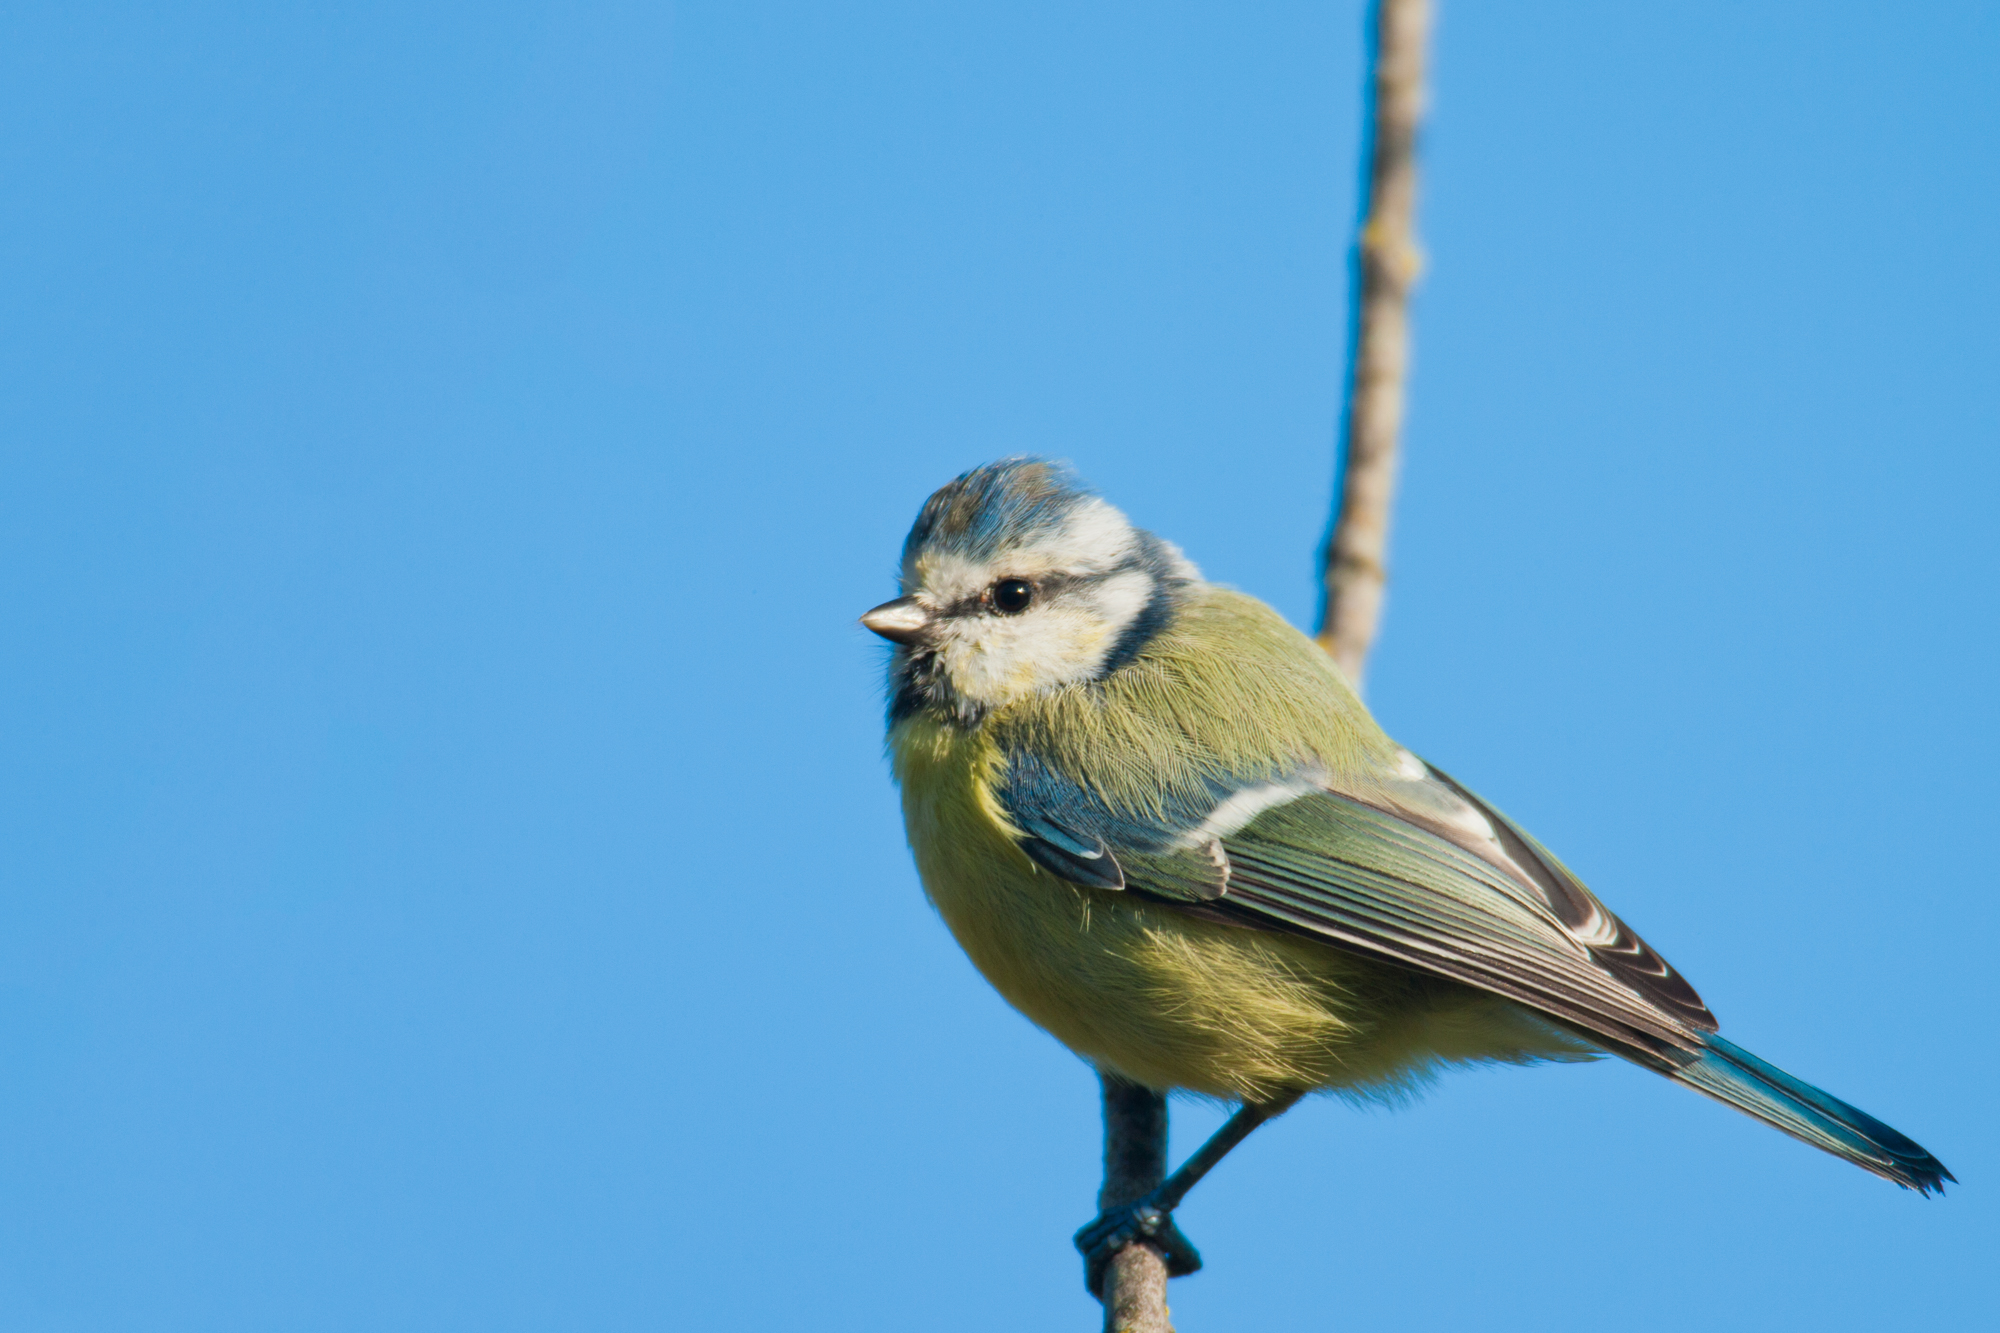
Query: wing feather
1414	869
1611	942
1346	871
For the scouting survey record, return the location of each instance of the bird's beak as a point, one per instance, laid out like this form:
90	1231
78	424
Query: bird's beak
900	621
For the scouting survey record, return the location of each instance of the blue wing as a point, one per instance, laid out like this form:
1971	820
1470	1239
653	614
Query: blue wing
1075	834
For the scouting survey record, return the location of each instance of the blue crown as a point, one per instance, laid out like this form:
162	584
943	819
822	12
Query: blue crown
999	505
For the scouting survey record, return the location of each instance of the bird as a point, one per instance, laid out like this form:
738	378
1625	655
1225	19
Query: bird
1161	823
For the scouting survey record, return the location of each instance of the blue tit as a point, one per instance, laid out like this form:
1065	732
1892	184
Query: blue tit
1161	824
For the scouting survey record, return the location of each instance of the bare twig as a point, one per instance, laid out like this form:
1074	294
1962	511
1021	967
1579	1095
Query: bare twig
1386	263
1135	1162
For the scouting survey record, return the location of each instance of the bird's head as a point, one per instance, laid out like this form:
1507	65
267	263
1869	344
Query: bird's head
1016	579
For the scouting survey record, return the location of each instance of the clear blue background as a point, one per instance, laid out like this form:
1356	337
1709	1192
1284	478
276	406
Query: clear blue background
451	880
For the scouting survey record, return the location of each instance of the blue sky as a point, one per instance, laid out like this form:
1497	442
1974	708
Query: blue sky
451	880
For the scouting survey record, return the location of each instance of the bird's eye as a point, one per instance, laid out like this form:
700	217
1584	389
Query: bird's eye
1011	596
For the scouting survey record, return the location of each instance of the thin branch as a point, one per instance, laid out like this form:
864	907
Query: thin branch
1386	262
1134	1289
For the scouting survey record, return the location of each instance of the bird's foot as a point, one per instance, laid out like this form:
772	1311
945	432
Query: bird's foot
1143	1222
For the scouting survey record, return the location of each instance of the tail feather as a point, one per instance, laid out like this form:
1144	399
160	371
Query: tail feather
1731	1074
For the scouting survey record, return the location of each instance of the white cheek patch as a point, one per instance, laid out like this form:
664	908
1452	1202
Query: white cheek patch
995	660
1067	635
1119	599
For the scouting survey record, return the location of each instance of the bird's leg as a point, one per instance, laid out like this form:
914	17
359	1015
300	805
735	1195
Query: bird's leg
1149	1218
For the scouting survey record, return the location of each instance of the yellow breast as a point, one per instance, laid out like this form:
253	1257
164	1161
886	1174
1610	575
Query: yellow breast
1170	1000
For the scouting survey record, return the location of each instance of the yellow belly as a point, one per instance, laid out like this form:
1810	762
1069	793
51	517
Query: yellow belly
1170	1000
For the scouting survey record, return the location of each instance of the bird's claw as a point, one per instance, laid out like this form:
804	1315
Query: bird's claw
1135	1223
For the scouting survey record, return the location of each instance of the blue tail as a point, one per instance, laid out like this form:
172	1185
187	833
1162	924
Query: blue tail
1731	1074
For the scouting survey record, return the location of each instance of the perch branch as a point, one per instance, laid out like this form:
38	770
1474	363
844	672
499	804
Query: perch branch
1354	562
1135	1162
